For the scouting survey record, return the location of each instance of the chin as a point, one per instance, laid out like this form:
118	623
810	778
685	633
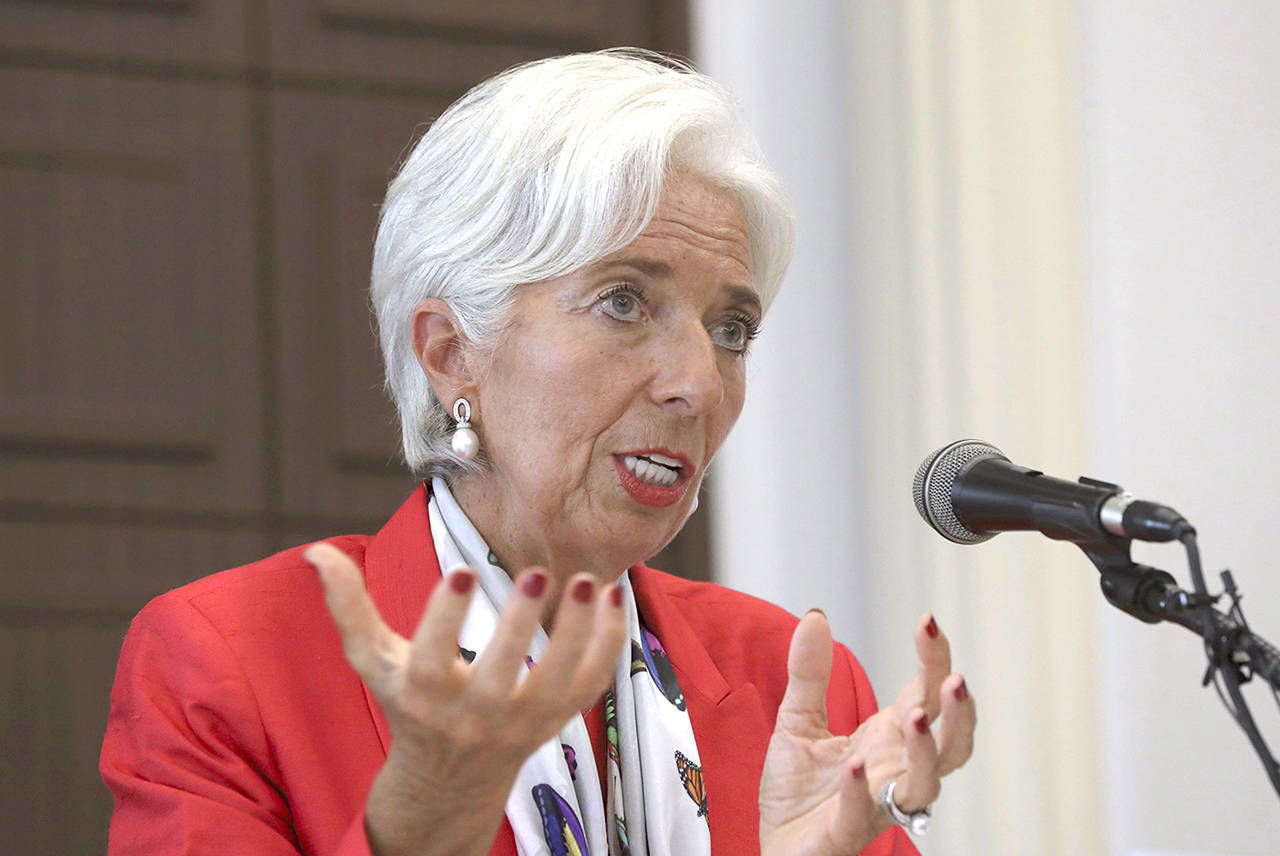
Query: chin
660	544
637	537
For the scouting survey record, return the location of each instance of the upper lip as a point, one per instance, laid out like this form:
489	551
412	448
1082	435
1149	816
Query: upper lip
686	466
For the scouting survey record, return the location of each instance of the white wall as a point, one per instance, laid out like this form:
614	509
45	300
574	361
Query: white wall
939	222
1182	143
1150	360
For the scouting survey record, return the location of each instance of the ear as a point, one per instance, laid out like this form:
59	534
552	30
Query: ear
442	351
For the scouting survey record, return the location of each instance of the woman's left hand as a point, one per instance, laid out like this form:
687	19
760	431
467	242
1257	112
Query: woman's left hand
818	791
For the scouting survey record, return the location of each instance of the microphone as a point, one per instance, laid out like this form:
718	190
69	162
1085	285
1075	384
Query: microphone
968	491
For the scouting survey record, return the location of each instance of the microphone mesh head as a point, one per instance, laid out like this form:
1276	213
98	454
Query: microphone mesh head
931	488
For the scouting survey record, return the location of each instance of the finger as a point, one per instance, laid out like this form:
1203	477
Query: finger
574	624
858	819
953	732
919	785
433	653
372	648
933	652
493	675
603	647
803	711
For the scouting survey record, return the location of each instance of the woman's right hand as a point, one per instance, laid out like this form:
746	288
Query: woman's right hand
460	732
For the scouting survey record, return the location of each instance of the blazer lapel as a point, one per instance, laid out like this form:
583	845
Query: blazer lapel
400	571
730	724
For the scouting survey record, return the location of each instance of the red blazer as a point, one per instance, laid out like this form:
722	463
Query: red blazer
237	726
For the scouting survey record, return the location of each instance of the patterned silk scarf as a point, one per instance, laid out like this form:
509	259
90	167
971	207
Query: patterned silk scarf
657	805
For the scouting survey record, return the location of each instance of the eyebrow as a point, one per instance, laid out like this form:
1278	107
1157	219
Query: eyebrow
649	267
740	294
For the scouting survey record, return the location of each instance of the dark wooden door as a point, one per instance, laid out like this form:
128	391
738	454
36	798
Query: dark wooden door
190	191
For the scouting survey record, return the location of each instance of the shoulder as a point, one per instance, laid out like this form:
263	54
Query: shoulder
279	588
262	627
240	647
212	731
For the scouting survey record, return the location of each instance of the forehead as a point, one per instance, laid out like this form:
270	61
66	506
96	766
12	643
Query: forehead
696	223
697	239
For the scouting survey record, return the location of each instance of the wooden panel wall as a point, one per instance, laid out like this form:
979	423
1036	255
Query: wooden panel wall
188	378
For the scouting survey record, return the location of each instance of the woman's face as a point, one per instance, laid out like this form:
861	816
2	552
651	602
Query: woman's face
612	389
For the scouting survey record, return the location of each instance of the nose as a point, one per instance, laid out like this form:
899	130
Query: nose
688	379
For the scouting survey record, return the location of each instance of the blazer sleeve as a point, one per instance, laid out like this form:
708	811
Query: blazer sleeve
186	756
846	712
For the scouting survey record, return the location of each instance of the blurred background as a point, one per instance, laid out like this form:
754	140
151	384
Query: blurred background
1051	225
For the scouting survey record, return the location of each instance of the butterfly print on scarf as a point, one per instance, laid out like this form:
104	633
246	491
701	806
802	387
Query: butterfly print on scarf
652	657
691	778
560	826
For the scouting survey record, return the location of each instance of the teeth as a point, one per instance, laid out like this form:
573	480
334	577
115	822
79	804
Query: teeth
664	460
651	472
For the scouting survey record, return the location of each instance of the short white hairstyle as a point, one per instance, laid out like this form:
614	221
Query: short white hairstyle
534	173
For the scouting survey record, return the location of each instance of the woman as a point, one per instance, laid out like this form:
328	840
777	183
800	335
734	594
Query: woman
569	269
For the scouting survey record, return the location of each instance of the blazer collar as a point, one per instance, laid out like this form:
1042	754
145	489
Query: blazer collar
686	651
401	570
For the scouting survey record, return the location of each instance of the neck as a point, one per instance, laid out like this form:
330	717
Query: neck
521	543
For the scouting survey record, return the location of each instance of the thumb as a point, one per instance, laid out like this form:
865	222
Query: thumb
803	711
373	649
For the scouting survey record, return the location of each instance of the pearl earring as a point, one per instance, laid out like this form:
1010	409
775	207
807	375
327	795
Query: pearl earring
465	443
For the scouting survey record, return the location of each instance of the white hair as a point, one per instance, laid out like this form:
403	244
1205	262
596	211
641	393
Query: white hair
536	172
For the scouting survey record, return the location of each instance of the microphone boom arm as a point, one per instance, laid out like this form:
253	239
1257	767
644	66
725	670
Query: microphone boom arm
968	491
1235	652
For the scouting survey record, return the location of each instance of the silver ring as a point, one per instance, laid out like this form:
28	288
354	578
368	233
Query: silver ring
917	822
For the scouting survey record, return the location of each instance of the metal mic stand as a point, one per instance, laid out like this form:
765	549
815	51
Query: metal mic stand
1236	654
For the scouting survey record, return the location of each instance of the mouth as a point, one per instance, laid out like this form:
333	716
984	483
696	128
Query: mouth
654	468
653	477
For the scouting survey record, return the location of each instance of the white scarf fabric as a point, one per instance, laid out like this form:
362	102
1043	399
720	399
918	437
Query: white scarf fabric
656	799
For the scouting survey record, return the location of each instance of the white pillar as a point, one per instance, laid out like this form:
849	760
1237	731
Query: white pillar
968	258
787	486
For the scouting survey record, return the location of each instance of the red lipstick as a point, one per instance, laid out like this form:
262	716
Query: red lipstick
649	494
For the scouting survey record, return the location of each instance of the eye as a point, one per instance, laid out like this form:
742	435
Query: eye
624	302
735	334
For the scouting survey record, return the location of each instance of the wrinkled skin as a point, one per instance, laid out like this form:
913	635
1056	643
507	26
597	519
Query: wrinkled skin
643	350
817	792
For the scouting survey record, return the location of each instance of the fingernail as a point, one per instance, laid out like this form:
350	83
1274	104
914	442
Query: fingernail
819	611
533	584
962	691
615	595
932	628
922	724
859	770
582	590
461	582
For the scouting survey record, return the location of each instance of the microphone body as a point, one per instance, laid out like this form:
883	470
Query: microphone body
968	491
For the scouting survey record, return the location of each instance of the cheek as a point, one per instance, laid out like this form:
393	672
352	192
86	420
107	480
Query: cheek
721	422
551	403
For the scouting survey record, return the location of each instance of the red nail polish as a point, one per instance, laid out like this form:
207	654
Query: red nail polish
461	582
615	595
533	584
922	724
962	691
582	590
859	770
819	611
932	628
